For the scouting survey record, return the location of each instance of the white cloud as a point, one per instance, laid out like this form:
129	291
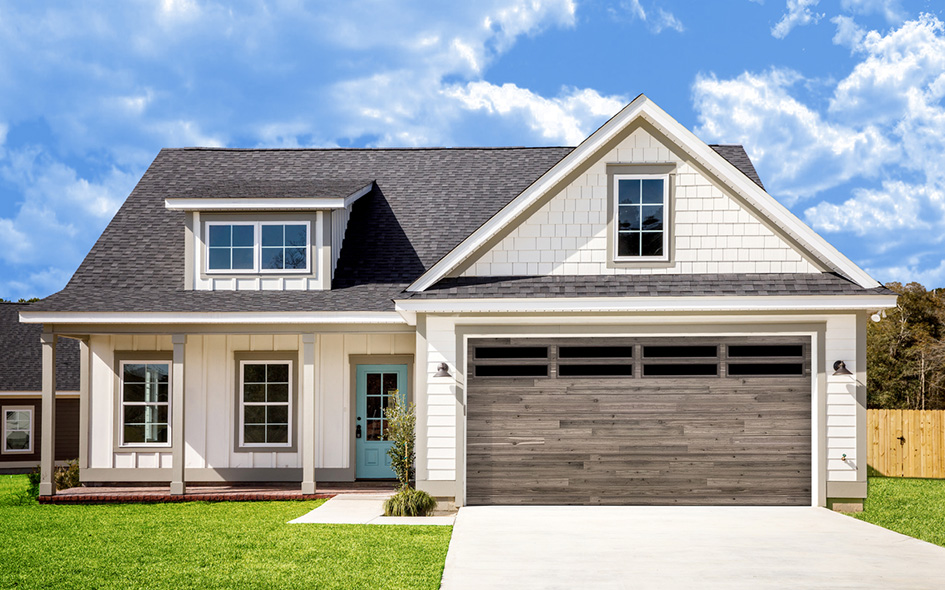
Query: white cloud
790	142
798	13
895	207
849	34
890	9
656	24
568	118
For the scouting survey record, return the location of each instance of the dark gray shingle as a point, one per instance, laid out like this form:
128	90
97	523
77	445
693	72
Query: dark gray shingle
21	354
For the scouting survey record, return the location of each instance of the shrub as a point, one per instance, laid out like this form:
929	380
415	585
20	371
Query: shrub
65	477
409	502
401	423
33	488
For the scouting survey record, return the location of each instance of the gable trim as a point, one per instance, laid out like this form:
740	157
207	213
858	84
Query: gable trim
726	172
263	204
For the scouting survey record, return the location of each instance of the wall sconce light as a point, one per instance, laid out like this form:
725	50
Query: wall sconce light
442	370
840	368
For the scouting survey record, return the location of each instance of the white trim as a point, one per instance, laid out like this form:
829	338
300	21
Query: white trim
213	317
648	304
32	430
644	108
667	217
39	394
121	404
242	443
257	249
265	204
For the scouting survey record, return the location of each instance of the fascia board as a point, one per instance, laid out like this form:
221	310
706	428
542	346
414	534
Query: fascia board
651	304
538	188
263	204
58	317
760	199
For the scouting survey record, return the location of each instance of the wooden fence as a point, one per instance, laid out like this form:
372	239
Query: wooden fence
906	443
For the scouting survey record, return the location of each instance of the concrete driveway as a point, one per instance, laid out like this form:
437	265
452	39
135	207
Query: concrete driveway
682	547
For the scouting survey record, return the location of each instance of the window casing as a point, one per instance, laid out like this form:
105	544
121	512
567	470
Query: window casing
265	414
145	402
641	217
261	247
17	429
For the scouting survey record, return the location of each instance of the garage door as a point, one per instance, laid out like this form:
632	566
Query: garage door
639	421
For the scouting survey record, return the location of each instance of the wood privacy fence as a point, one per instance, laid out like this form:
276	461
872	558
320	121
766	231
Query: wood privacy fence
906	443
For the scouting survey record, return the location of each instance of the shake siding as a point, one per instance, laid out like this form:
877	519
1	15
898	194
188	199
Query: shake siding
568	235
211	397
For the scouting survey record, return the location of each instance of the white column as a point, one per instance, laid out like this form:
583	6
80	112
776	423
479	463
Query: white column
47	485
84	401
178	487
307	398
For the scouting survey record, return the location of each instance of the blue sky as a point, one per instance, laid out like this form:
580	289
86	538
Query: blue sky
839	102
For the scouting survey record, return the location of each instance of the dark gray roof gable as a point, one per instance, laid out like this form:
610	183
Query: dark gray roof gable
21	354
423	203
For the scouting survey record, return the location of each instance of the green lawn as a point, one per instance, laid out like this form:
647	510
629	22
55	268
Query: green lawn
914	507
205	545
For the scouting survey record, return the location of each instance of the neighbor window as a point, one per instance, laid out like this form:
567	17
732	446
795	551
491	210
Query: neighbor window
18	429
641	204
265	403
262	247
145	403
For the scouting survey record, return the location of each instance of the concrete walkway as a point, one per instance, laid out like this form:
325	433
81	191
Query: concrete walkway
682	547
363	509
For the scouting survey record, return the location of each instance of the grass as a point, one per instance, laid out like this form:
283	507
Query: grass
914	507
205	545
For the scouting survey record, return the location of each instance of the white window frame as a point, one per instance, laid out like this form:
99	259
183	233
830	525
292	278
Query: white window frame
32	429
242	404
615	239
122	403
257	248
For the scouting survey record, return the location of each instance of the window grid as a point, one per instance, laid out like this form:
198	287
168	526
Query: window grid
640	217
263	247
18	429
265	403
145	403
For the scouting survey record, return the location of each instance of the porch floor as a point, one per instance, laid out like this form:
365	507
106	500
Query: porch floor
213	493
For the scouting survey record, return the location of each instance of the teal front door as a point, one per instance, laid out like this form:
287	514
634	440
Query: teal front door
376	385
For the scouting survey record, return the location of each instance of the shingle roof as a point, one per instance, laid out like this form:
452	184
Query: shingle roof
645	286
21	354
423	203
738	157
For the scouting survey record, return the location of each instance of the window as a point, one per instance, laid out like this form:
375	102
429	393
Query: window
260	247
145	403
18	429
640	213
265	403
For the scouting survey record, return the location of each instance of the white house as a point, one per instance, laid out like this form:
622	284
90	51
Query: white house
631	321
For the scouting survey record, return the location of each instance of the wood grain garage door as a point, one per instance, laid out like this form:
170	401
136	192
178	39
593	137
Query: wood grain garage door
639	421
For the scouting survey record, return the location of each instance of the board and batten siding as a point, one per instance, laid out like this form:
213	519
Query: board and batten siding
713	232
836	428
210	397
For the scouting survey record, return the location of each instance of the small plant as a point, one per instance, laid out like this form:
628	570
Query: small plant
409	502
66	476
32	489
401	432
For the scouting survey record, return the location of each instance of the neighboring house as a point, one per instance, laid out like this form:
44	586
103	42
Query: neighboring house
632	321
21	408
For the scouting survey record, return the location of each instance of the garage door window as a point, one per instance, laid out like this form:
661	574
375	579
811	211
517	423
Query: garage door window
774	360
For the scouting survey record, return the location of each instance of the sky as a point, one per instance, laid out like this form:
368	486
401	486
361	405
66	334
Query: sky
839	103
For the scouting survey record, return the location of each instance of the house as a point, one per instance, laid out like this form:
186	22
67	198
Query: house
21	408
631	321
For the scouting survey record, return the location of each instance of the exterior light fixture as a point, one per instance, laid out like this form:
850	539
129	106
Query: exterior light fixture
840	368
442	370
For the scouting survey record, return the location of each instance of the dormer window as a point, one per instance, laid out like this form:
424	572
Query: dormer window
258	247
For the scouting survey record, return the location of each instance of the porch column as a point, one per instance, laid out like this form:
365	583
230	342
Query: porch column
47	484
84	401
308	413
178	487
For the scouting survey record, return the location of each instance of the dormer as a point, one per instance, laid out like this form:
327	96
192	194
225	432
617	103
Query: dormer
272	236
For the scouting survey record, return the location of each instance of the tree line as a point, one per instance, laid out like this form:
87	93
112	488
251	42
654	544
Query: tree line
905	351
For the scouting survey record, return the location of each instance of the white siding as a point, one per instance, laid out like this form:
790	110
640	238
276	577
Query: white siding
841	400
714	232
339	224
440	423
211	397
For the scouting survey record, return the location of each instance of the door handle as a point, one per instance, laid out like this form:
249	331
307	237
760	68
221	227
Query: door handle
357	431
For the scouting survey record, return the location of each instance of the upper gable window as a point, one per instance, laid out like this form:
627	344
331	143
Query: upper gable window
260	247
641	207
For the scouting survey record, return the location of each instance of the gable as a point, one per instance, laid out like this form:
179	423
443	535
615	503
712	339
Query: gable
712	229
